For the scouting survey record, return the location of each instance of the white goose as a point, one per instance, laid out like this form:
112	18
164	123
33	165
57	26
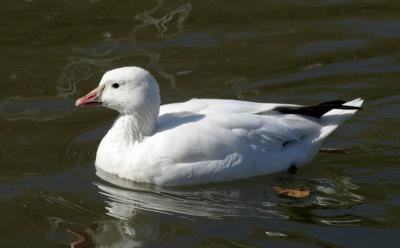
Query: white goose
204	140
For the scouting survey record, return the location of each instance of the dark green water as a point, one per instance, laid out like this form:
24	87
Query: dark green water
302	52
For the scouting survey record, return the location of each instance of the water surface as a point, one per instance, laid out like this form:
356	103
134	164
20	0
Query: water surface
268	51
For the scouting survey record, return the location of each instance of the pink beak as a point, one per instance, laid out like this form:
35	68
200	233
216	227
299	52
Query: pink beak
93	98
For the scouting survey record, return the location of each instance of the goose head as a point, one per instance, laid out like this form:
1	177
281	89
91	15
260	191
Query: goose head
127	90
132	91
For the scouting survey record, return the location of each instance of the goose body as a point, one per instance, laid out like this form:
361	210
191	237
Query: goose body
204	140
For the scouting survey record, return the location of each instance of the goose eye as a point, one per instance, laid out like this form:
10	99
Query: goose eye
115	85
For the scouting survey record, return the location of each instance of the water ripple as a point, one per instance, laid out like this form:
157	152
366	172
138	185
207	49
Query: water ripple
220	201
38	109
360	66
111	49
182	12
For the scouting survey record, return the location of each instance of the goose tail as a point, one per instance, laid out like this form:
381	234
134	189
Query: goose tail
335	117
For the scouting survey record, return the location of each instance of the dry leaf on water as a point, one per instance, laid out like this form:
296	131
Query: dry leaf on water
294	193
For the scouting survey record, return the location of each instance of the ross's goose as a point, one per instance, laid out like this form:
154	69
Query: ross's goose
204	140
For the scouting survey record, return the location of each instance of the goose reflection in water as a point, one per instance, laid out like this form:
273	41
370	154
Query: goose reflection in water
139	210
130	227
126	198
140	230
138	207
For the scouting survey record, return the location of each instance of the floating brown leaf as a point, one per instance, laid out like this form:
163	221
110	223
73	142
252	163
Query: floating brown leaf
294	193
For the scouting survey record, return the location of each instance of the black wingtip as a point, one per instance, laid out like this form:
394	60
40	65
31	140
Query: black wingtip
338	104
316	111
334	102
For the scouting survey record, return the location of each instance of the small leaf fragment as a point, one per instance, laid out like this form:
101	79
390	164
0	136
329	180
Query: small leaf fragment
294	193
